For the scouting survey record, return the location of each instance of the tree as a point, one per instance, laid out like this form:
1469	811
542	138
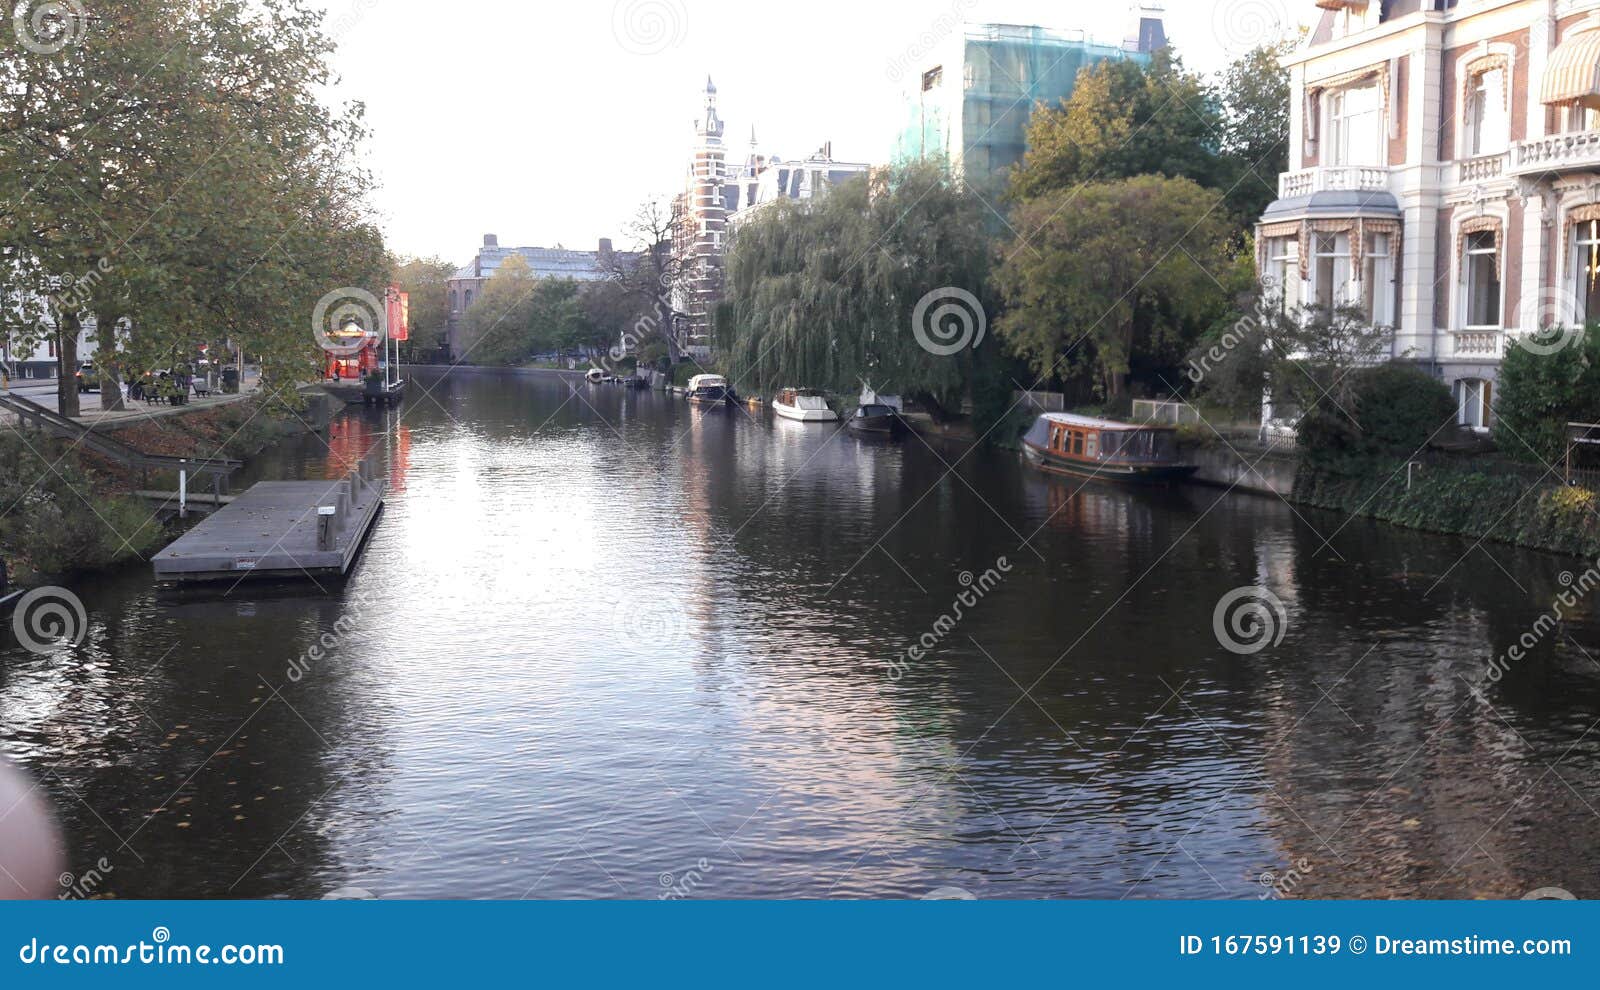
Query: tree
882	280
426	281
647	282
1255	107
497	322
177	175
1543	388
1125	119
1113	277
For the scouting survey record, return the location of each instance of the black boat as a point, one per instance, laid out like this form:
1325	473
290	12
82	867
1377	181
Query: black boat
876	421
1105	450
711	390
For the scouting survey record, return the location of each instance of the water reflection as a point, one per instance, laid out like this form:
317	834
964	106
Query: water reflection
601	635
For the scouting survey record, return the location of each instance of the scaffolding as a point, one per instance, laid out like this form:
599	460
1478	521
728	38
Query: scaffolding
972	106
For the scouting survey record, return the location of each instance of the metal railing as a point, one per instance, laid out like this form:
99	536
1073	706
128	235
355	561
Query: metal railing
32	415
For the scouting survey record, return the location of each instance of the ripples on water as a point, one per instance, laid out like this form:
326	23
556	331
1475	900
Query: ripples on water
606	645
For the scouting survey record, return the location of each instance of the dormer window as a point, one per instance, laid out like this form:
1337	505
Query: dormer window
1350	16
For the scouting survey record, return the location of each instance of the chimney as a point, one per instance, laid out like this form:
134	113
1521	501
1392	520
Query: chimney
605	246
491	241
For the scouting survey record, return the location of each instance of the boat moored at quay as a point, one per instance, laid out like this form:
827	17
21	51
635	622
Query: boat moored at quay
804	405
1106	450
711	390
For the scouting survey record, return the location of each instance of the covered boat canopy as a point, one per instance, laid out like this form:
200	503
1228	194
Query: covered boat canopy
707	381
1128	442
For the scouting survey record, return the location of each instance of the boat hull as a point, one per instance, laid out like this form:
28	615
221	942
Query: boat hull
881	427
1127	474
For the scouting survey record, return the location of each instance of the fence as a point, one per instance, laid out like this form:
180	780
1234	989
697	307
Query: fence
1147	411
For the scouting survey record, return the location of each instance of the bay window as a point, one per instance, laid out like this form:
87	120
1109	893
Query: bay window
1330	270
1377	282
1283	271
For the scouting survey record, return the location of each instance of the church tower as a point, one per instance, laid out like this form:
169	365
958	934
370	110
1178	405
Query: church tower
705	215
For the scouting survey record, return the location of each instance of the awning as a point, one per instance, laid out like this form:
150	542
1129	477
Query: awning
1573	73
1341	4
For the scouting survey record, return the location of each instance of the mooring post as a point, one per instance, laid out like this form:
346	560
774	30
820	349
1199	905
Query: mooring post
327	526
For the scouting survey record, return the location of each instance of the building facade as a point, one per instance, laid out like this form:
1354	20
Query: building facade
1445	177
969	97
558	262
718	195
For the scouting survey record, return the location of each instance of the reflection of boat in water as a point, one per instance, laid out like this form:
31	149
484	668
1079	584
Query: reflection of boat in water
711	390
803	404
1085	447
876	421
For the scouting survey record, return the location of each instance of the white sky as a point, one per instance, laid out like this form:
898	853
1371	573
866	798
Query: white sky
549	123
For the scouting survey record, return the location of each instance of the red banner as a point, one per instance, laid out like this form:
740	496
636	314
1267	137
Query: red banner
399	314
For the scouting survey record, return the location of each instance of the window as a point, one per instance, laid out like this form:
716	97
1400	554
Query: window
1077	442
1586	253
466	299
1577	118
933	77
1481	266
1377	282
1330	275
1488	125
1355	129
1283	269
1474	399
453	301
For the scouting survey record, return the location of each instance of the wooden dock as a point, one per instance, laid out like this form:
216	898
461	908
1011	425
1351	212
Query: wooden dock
279	530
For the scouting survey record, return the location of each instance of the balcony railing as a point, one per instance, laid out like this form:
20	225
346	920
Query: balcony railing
1477	343
1325	178
1556	153
1482	168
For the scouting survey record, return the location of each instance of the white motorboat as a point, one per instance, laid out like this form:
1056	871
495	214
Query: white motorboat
803	404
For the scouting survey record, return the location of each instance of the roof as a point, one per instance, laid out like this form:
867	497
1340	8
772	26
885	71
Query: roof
1090	422
1341	203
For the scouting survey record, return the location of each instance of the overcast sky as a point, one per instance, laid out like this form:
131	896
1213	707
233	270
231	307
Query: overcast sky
548	123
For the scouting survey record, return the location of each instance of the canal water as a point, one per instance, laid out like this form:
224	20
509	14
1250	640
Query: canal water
604	644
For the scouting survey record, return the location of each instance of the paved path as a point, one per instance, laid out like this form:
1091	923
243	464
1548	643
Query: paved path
91	415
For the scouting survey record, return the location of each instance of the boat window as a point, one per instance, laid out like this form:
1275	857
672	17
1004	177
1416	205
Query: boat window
1091	445
1077	442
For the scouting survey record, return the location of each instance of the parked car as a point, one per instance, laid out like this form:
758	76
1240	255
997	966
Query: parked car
88	377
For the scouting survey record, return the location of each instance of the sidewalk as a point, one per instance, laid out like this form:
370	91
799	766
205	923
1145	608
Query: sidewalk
136	411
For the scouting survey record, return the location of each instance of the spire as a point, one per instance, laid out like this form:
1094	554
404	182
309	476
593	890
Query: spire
709	127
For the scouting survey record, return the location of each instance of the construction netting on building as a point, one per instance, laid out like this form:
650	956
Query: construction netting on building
976	112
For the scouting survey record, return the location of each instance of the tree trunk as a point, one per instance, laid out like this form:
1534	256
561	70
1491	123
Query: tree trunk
67	364
108	363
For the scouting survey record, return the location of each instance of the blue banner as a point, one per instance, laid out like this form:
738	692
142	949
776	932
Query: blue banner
924	944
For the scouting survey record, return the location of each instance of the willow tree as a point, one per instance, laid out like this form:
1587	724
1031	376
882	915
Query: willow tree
828	292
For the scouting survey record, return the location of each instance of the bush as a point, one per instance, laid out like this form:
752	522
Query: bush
1540	394
1396	409
59	523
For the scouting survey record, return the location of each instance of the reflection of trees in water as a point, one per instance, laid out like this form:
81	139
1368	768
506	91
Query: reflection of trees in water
161	733
1415	780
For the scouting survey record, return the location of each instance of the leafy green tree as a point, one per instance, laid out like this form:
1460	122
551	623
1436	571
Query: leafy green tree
176	174
426	281
1389	408
496	327
848	287
1255	106
1125	119
1542	390
1113	277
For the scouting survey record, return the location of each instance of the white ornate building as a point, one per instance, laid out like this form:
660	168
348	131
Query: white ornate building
1445	175
717	197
